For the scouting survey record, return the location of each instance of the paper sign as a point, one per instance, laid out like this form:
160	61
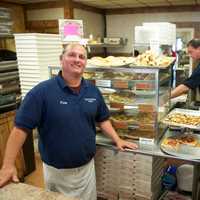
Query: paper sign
71	30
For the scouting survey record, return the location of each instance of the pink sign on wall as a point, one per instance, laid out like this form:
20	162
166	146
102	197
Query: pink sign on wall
71	30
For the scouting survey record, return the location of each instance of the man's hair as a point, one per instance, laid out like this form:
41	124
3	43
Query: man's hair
71	46
195	43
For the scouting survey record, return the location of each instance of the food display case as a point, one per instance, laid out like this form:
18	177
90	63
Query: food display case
137	96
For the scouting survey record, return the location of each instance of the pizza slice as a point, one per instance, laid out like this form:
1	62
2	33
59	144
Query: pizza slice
188	139
171	143
174	142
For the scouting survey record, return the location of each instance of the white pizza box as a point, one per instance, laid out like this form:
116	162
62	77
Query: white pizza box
28	79
33	36
33	76
39	55
37	70
26	88
33	69
36	41
42	50
38	46
29	75
43	58
27	64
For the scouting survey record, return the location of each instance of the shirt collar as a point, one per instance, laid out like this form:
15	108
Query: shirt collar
63	85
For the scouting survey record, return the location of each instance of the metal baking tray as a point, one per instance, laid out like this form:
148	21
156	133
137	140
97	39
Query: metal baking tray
184	151
93	65
186	112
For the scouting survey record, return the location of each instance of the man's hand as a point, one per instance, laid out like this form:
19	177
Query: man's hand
107	128
8	174
122	145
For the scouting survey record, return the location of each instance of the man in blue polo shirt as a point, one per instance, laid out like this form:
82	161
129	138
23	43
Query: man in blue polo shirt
193	81
65	110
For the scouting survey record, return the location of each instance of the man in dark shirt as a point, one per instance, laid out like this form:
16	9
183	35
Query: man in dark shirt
193	81
65	110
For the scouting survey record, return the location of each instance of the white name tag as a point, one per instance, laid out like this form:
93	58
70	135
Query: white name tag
146	141
63	102
90	100
103	83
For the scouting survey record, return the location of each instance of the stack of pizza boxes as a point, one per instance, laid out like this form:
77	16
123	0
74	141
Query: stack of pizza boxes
106	173
35	53
127	176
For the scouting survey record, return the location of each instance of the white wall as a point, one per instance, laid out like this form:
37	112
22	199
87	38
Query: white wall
93	23
45	14
123	25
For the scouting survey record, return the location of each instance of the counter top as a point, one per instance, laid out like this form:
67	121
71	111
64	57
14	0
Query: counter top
22	191
145	148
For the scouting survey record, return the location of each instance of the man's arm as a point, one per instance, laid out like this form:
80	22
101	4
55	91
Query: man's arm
179	90
107	128
15	141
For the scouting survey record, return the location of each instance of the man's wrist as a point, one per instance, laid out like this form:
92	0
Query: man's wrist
8	165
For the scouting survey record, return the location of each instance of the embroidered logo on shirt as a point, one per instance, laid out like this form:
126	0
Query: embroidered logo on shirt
90	100
63	102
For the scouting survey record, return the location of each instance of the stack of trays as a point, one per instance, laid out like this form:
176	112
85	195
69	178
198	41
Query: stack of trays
9	83
127	175
35	53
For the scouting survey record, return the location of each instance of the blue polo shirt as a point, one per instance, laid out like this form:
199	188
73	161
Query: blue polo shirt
194	80
65	121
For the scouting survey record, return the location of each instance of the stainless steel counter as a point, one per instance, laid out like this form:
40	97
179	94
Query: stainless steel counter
144	148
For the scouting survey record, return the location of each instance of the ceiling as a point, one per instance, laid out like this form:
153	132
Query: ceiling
107	4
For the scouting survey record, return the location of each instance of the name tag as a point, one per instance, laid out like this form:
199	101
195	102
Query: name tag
103	83
63	102
90	100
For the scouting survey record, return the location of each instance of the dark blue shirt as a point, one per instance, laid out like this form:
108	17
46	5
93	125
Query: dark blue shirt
65	121
193	81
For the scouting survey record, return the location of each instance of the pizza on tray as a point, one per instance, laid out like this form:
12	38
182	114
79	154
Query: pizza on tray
183	119
174	142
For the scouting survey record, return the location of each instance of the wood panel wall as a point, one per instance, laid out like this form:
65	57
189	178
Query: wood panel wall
17	13
6	125
51	26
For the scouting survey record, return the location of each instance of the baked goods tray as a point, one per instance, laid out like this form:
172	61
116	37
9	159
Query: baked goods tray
183	150
92	65
184	118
